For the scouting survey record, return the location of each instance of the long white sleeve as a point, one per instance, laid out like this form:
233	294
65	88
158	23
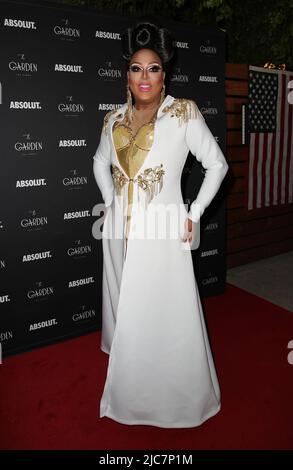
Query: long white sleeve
102	169
204	147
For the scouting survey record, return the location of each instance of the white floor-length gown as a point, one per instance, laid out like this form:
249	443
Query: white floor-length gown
161	370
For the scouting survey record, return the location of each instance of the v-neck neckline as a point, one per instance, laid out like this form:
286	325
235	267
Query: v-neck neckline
133	135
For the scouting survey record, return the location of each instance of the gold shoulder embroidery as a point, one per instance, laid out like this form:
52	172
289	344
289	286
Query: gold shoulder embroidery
106	119
184	109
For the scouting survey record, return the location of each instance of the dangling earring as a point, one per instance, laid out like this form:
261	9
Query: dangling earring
129	112
162	93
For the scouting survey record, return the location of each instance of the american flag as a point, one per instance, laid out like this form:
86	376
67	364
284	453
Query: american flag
270	173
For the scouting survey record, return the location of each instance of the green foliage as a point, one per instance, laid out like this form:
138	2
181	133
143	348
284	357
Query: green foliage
257	31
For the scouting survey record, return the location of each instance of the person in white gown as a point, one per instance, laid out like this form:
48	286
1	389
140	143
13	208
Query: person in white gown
161	370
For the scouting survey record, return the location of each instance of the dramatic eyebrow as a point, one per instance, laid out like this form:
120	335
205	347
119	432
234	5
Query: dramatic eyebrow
137	62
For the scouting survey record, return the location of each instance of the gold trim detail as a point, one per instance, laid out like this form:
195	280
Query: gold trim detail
107	117
184	109
119	179
150	180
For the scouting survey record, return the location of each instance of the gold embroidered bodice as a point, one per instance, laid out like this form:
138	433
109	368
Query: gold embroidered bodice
132	151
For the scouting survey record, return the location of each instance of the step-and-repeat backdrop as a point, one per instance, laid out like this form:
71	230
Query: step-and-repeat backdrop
61	70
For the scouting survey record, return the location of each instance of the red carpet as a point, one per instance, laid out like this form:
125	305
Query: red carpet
49	398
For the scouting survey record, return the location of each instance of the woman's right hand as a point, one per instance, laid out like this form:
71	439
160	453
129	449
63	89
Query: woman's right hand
189	231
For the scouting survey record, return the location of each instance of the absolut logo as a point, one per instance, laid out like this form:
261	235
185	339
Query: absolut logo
84	315
70	108
76	215
40	292
72	143
210	280
108	35
6	335
22	67
108	106
79	251
181	45
43	324
81	282
33	105
68	68
28	146
212	226
4	299
31	183
179	77
33	221
74	181
207	49
36	256
109	72
204	254
208	78
14	23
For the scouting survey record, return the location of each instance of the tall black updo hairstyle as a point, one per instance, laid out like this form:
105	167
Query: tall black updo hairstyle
146	34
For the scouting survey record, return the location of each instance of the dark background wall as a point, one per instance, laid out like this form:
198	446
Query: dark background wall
60	71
